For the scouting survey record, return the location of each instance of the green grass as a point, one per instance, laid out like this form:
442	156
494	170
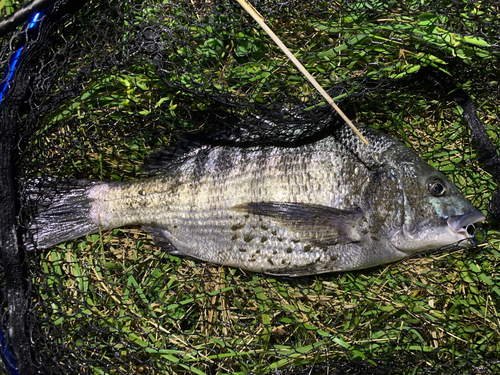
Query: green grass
143	311
183	315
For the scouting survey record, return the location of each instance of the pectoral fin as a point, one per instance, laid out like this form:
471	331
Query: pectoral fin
316	224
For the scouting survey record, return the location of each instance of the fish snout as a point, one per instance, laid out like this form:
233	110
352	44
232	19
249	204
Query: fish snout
464	224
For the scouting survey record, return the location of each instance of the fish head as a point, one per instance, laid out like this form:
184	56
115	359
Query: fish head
428	210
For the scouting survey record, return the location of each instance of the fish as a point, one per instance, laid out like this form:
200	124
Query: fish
329	205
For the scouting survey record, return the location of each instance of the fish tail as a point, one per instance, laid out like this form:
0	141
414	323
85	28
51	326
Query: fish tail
63	211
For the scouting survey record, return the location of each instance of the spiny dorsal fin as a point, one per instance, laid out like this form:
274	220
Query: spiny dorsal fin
161	160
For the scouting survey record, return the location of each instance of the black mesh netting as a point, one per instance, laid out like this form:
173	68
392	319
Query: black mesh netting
92	87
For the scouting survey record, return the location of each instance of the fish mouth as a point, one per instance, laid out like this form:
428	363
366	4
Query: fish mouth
464	224
451	230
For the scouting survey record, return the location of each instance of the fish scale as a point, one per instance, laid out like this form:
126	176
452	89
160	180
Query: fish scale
268	177
330	205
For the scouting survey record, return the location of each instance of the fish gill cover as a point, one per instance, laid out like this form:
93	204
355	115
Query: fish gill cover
94	87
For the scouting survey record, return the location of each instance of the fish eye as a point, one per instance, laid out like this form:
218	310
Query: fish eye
436	187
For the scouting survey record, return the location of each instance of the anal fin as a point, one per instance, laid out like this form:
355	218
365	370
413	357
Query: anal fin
161	237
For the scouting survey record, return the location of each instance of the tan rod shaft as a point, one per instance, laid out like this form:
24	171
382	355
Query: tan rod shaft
260	20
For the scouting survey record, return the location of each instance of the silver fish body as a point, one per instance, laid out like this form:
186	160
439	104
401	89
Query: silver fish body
332	205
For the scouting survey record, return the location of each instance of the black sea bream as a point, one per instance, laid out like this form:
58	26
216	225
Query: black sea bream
332	205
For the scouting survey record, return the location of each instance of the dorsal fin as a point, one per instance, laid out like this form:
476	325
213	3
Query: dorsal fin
162	159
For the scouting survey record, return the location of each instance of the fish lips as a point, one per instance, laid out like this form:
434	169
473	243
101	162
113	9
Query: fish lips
464	224
428	236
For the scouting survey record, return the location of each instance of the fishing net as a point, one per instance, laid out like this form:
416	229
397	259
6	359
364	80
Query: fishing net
91	88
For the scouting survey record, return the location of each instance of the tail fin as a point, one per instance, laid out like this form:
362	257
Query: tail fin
63	211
